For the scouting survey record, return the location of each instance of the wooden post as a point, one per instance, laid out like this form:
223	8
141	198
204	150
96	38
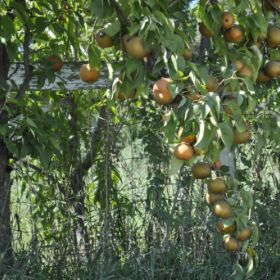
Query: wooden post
67	79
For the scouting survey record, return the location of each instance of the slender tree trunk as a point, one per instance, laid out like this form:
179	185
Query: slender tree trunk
6	252
81	231
77	184
77	174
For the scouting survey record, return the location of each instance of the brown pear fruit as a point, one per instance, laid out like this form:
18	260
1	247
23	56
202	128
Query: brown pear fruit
121	95
262	77
227	20
234	34
231	244
103	40
55	61
244	234
187	54
218	164
161	92
88	74
211	198
245	72
272	69
212	84
124	41
273	36
201	170
226	229
238	64
222	209
217	185
183	151
135	47
205	31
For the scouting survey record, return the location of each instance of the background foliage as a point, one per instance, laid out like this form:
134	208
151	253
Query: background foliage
96	193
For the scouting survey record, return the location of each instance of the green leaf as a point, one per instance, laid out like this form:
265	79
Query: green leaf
45	156
3	129
21	13
101	8
12	147
250	269
247	199
30	122
252	103
226	133
170	129
111	29
205	135
94	55
260	142
238	273
7	26
255	236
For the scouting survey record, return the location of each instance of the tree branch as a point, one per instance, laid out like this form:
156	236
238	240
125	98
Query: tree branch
86	164
121	16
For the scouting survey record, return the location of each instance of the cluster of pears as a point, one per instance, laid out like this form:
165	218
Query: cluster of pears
163	96
271	69
132	45
87	74
215	197
232	32
235	34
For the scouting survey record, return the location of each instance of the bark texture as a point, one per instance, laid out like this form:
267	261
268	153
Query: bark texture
6	251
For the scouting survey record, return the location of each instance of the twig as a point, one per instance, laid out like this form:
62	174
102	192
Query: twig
12	73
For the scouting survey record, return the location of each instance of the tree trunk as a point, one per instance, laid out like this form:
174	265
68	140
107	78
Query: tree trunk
77	184
6	251
81	231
